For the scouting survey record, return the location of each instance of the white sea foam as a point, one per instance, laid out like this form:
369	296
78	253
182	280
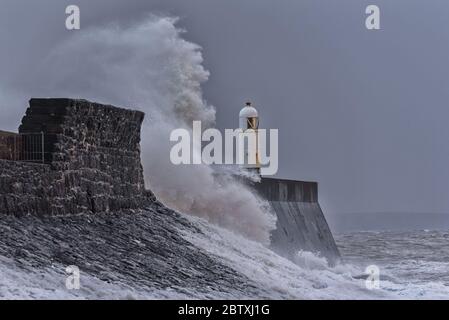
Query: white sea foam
270	275
309	277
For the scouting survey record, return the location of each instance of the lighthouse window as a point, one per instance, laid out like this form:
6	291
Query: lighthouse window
252	123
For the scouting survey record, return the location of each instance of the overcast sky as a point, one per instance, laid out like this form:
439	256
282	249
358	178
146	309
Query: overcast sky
362	112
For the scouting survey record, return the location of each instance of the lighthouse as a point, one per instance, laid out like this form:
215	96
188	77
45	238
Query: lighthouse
248	140
301	223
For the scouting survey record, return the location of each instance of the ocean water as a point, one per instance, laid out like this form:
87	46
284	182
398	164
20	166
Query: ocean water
409	258
412	265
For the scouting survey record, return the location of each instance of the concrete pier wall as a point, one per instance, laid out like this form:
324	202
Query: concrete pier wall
301	224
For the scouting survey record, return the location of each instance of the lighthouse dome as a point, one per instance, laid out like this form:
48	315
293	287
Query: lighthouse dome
248	112
249	117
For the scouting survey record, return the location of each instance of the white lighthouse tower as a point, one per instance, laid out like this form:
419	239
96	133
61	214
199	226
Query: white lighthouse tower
248	140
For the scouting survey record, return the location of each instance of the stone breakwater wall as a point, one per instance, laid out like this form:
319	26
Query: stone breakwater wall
92	161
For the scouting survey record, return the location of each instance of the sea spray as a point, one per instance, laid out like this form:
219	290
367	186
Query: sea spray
150	66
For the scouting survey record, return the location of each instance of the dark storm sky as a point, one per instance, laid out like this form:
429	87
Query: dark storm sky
363	112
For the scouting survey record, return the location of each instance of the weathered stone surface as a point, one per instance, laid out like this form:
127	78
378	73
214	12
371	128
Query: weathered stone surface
92	161
143	250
